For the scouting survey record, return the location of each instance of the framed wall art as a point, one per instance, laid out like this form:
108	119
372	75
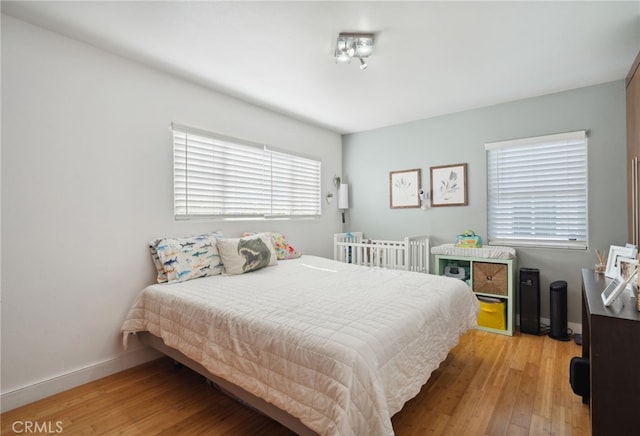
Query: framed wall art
404	188
449	185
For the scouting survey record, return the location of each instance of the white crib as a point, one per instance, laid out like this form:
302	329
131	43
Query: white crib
411	254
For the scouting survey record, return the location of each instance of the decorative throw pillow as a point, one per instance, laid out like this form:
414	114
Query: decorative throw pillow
241	255
283	249
180	259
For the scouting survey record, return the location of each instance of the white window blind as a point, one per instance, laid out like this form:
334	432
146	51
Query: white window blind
217	176
537	191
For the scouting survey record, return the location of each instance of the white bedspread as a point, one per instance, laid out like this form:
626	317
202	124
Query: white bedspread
339	346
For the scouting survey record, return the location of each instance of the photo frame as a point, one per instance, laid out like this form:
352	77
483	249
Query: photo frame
404	188
615	288
449	185
616	252
634	249
626	267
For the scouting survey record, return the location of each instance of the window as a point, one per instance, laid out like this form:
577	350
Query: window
216	176
537	191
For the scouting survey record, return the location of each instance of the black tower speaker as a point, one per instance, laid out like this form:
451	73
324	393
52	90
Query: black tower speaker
530	301
558	307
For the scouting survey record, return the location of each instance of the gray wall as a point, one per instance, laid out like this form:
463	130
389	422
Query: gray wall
87	182
368	157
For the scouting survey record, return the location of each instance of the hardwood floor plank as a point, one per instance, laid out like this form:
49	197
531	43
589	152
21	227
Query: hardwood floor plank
515	430
543	403
493	382
525	397
489	384
580	421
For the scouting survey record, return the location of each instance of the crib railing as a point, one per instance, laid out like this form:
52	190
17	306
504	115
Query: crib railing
411	254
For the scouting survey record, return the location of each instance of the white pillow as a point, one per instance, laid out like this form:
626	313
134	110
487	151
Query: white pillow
241	255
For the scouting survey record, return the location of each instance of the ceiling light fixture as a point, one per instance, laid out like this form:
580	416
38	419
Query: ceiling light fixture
354	45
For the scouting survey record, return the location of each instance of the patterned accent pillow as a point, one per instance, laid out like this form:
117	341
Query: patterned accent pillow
241	255
180	259
283	249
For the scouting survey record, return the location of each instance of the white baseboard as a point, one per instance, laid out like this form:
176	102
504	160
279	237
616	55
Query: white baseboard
37	391
572	326
577	328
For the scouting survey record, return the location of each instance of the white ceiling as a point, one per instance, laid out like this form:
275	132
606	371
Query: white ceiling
432	58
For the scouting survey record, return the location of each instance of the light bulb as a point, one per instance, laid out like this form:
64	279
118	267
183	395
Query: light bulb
343	57
364	47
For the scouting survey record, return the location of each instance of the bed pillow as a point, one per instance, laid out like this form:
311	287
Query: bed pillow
241	255
283	249
180	259
162	276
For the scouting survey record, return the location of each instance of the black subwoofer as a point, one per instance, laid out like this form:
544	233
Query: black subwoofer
558	308
530	301
579	377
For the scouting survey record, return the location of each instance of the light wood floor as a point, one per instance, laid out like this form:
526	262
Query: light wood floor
489	385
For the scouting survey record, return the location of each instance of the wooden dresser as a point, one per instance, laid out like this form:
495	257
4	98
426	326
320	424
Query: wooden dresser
611	342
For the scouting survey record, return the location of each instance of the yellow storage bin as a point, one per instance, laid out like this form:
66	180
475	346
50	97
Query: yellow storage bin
493	313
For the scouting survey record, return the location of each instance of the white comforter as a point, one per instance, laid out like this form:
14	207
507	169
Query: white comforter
339	346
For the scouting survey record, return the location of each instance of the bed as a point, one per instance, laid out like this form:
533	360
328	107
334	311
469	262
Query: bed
410	253
325	347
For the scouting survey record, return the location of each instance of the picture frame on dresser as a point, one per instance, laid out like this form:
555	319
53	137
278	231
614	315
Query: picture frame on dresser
626	267
615	288
616	252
